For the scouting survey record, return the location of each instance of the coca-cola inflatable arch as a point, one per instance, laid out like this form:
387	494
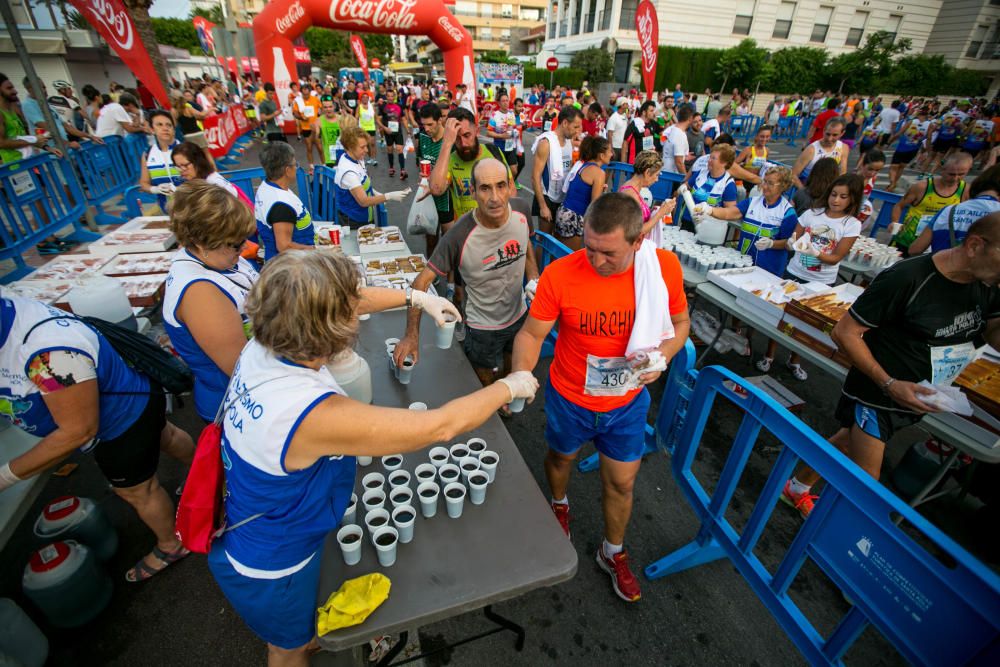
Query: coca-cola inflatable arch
284	20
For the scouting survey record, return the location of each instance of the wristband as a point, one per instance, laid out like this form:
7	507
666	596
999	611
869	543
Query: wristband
7	477
885	385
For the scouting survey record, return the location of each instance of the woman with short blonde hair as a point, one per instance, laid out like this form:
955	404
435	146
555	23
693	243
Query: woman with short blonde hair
291	435
646	172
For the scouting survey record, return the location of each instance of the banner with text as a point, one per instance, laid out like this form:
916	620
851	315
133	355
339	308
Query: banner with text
222	130
360	54
648	28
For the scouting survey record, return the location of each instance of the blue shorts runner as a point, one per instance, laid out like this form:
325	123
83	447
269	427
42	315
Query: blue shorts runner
879	423
280	611
619	434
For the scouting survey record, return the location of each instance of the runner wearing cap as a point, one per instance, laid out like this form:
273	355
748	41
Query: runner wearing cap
591	295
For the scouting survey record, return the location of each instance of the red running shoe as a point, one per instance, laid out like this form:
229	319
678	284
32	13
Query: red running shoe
403	175
622	580
392	171
562	514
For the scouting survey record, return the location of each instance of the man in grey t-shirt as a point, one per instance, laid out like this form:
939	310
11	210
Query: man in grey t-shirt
491	247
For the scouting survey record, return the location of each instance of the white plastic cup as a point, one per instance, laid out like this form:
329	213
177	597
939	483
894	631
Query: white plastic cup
401	495
478	481
392	462
476	446
439	456
404	525
468	465
427	494
375	520
373	500
385	540
350	538
372	481
458	451
454	499
425	472
418	405
398	478
445	334
391	343
364	461
351	513
517	405
404	373
449	473
488	462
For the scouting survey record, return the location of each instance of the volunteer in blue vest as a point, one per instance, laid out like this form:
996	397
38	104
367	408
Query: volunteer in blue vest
553	151
159	175
290	438
949	226
713	186
203	305
63	382
283	221
356	198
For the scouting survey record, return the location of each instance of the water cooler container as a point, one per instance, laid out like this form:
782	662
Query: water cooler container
80	519
66	583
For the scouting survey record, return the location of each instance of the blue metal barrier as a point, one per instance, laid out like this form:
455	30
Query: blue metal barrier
938	607
884	215
134	146
547	250
105	174
743	128
663	433
324	194
618	173
134	199
664	187
40	197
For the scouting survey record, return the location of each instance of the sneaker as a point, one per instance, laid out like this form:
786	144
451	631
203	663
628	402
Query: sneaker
764	365
622	580
48	248
392	171
803	502
562	514
403	175
460	332
797	371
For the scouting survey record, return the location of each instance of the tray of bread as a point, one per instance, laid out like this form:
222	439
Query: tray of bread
372	239
406	265
124	241
140	263
69	267
146	222
816	315
144	290
52	292
981	382
768	300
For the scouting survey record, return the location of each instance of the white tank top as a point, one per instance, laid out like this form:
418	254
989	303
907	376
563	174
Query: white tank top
837	153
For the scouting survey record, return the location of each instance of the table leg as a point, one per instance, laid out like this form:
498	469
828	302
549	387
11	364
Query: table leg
397	648
507	624
938	476
504	623
723	318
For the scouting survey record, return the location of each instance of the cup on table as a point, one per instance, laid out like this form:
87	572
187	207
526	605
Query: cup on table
478	481
364	460
449	473
392	462
468	465
372	481
385	540
425	472
458	452
401	495
398	478
402	519
439	456
351	513
376	519
349	538
517	405
404	373
454	499
476	446
373	500
445	333
488	462
427	494
418	405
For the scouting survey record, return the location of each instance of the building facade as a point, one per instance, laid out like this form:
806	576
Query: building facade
491	24
967	34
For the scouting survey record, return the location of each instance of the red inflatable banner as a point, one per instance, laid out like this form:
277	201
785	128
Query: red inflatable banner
222	130
360	54
282	21
115	25
648	28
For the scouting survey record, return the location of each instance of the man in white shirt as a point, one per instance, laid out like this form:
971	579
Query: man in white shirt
115	118
675	144
617	123
887	122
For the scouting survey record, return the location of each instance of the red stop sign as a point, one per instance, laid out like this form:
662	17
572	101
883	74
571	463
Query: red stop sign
552	64
376	63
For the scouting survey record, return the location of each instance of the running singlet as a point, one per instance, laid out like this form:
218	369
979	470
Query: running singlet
460	177
769	222
951	123
921	213
160	166
329	133
366	117
269	194
14	127
914	136
979	135
837	153
391	113
757	162
502	122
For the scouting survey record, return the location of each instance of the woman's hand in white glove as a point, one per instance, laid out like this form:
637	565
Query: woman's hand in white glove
763	244
397	195
530	289
521	384
162	189
439	308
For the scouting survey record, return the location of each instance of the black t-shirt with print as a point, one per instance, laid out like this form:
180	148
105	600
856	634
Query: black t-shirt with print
351	99
910	309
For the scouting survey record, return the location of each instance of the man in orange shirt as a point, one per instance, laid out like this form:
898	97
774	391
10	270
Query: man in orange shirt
310	109
591	294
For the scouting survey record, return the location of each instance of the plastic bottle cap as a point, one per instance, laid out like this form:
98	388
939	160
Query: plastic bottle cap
60	508
49	557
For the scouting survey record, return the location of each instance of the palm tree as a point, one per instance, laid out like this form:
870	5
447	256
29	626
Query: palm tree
139	11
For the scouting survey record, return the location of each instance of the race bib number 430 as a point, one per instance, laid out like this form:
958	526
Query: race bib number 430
607	376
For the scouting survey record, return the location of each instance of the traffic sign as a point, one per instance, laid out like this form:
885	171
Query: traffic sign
376	63
552	64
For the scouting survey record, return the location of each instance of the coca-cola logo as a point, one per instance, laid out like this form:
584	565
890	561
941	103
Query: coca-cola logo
116	23
383	14
645	26
455	33
294	13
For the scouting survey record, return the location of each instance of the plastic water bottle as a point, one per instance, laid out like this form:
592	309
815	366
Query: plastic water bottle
353	375
21	642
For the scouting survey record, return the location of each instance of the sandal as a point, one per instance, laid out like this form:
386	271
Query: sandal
798	372
141	571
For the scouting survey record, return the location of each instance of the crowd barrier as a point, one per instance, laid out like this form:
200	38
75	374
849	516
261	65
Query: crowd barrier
934	602
547	250
743	128
619	172
41	196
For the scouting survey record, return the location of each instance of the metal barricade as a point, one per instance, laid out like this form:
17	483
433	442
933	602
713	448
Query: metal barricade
618	173
884	215
934	602
547	250
133	147
40	197
105	174
324	194
664	187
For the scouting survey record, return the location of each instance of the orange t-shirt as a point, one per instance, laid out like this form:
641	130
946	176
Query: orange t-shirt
595	315
314	103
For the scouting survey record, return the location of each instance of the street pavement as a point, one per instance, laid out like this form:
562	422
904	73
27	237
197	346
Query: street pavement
707	615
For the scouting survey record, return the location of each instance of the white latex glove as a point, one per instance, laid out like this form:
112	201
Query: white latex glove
894	228
530	289
763	244
397	195
809	250
701	210
7	477
162	189
521	384
435	306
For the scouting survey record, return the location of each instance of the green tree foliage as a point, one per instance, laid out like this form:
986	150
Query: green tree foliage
214	14
596	63
564	76
860	69
331	49
498	56
931	75
692	68
740	66
177	32
799	68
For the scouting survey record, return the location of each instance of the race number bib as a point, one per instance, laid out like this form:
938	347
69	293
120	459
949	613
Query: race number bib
393	126
607	376
647	143
332	157
948	362
352	103
308	112
547	126
509	145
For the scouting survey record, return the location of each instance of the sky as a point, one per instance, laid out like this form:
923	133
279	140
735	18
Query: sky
176	9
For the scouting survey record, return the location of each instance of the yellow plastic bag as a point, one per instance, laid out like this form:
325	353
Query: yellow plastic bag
353	603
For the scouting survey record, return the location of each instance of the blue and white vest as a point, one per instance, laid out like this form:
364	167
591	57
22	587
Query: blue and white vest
269	194
161	168
346	203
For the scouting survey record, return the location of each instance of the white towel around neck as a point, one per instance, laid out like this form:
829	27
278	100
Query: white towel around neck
554	190
652	303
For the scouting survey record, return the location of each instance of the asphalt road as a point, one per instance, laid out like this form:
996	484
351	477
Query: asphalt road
708	615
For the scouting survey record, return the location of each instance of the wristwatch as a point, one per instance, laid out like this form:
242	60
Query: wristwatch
409	297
